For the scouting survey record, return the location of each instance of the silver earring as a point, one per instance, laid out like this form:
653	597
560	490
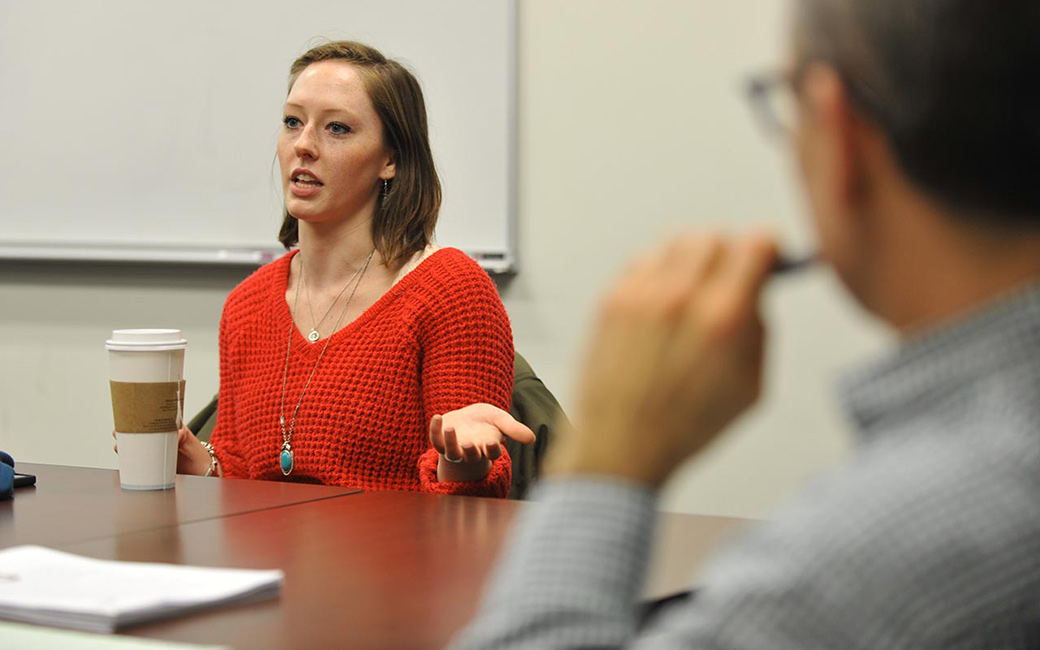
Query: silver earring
386	193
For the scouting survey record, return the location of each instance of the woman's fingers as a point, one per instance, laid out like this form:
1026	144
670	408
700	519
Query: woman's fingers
183	436
437	433
467	452
452	451
508	426
471	454
474	434
493	451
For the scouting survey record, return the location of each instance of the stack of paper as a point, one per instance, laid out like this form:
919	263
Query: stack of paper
41	585
17	635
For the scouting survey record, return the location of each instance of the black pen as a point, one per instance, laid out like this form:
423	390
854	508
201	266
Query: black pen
787	265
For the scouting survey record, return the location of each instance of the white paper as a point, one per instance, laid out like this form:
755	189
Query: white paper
16	635
41	585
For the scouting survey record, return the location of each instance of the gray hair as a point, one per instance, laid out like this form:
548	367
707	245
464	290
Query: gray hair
952	83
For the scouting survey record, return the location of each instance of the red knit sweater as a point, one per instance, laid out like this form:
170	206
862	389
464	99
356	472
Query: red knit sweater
438	340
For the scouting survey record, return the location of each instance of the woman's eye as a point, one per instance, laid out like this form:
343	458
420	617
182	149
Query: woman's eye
339	129
291	122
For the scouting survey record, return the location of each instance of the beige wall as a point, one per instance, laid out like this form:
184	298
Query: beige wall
632	125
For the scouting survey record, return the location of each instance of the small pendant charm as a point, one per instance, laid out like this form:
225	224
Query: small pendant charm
313	336
285	459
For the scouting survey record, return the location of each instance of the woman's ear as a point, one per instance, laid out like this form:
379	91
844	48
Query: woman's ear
390	166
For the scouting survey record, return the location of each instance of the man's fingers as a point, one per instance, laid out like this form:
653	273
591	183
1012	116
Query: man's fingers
644	266
692	258
728	300
750	264
661	285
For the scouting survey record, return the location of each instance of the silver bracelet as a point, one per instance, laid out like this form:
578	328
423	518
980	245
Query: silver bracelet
214	464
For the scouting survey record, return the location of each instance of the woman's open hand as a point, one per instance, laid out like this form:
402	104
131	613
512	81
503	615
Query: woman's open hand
469	439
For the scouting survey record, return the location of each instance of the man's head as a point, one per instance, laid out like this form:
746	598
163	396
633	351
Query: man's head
934	100
954	84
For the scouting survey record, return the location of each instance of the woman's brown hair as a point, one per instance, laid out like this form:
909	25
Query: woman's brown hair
407	213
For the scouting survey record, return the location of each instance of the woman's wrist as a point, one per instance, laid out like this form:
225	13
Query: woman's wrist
451	472
214	468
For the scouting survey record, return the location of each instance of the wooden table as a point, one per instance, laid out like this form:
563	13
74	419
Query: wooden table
394	570
70	504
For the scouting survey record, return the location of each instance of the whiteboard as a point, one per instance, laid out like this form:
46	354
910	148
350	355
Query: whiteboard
146	131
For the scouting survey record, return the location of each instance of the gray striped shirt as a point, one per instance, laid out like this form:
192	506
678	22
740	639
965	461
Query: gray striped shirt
927	537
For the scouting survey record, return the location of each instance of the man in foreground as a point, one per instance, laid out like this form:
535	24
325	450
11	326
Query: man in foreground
918	136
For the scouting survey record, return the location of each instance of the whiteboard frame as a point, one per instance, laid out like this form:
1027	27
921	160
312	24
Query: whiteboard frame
497	262
492	262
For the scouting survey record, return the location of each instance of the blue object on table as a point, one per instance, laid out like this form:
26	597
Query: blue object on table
6	476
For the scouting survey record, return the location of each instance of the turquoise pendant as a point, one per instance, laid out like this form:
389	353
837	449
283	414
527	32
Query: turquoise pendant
286	459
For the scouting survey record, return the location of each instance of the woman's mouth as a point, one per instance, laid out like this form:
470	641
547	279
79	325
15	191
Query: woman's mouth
302	183
306	180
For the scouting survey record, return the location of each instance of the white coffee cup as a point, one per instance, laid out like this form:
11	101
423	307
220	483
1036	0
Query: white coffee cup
146	375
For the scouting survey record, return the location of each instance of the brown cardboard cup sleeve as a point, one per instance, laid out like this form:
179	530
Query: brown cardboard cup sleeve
147	407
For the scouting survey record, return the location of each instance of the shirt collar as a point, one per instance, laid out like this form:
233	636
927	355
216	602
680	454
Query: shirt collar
927	366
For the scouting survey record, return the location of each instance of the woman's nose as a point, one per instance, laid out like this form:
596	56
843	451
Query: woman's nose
306	145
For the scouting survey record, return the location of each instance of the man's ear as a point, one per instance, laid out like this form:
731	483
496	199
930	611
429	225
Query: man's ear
843	131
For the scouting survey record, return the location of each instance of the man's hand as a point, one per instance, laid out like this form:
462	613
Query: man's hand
675	357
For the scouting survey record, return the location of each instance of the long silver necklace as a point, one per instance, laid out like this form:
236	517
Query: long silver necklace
286	459
313	335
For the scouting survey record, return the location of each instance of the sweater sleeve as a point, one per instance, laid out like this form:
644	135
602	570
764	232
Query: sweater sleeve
467	358
225	442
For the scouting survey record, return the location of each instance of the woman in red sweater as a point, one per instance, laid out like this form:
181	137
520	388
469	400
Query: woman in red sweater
349	360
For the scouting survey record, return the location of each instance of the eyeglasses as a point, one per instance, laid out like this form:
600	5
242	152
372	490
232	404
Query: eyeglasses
774	101
775	104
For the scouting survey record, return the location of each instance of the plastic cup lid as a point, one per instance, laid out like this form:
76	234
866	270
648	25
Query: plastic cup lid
146	340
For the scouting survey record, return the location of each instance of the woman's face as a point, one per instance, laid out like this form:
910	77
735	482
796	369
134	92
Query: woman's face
331	150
